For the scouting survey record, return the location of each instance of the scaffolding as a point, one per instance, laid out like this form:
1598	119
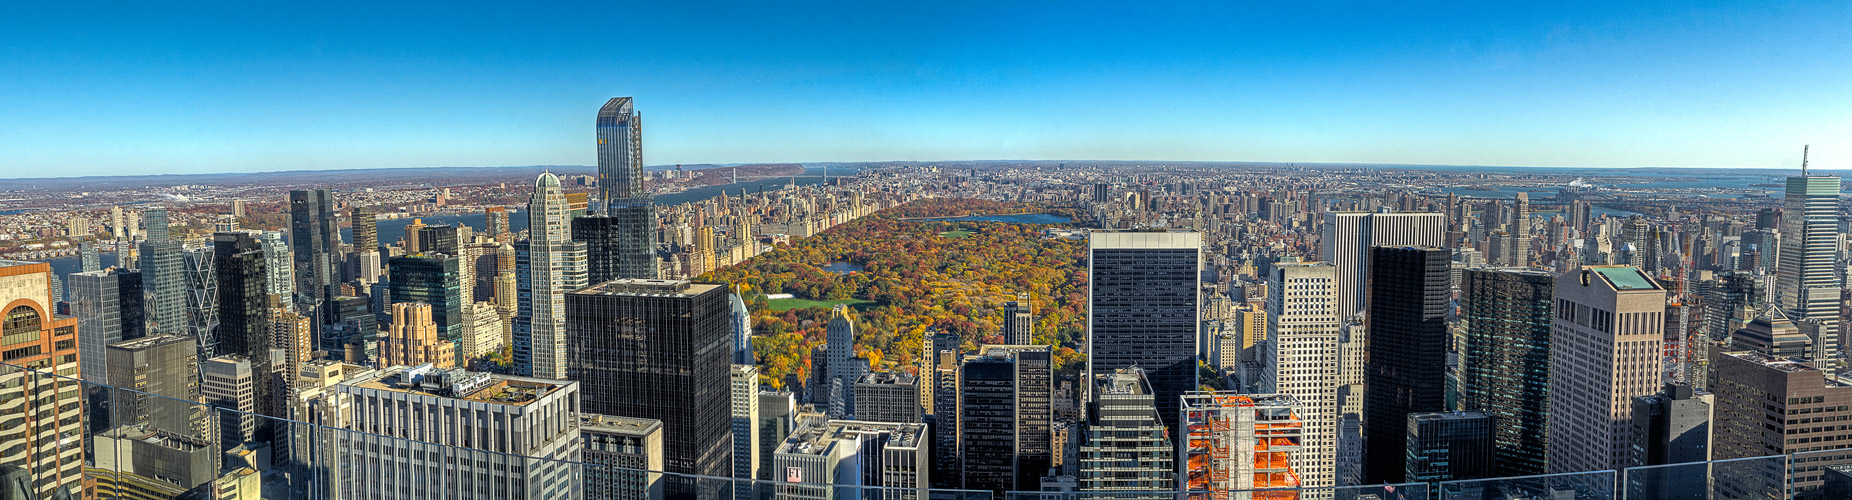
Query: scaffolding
1238	443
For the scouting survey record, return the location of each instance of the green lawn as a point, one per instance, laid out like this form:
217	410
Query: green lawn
788	304
955	234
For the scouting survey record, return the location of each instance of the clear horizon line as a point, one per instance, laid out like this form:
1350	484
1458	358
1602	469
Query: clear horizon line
1410	166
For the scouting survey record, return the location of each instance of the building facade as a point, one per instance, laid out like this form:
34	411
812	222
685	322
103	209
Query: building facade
1143	309
1505	361
1612	318
469	435
1301	359
1409	295
646	349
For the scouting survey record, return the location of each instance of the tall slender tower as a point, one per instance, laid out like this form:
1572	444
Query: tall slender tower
314	239
621	189
1301	360
548	265
1408	321
844	367
1805	285
1520	231
163	277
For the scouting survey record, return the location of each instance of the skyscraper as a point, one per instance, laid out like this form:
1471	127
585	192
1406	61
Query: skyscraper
1446	446
1672	427
163	372
163	269
316	242
647	349
502	437
1301	359
1348	237
887	397
432	279
603	238
1765	406
1520	231
366	229
279	266
1505	361
496	221
108	307
1142	309
621	188
200	272
844	367
548	264
1806	286
741	320
1127	450
41	406
1408	300
1613	318
243	308
627	449
744	400
1019	320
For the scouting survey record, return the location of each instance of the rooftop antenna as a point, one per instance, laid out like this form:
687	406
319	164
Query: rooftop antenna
1804	159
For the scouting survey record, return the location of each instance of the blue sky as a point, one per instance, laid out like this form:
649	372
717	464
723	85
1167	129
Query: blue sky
134	88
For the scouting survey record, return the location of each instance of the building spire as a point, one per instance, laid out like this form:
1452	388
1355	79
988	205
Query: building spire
1804	159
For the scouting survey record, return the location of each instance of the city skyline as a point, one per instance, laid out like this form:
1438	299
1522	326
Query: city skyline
1680	85
977	329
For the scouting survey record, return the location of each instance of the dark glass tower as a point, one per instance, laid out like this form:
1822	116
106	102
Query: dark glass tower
1406	371
1505	362
440	238
621	189
1144	309
603	240
244	314
314	239
432	279
659	349
987	424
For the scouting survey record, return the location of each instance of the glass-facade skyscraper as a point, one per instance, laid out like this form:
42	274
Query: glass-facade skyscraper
657	349
621	189
1408	300
1505	362
315	240
431	279
163	277
1143	309
1806	286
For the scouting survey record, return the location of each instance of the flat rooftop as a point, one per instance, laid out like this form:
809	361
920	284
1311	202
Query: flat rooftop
649	288
1626	278
499	389
815	434
613	424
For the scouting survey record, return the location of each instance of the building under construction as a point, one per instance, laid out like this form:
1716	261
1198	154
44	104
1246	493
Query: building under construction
1237	443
